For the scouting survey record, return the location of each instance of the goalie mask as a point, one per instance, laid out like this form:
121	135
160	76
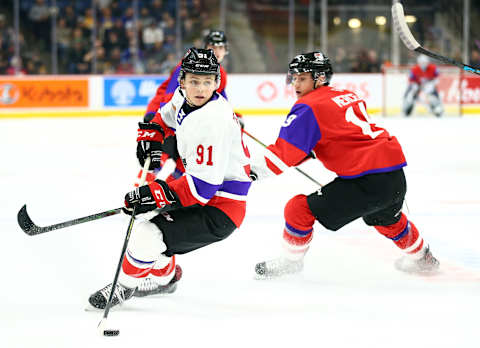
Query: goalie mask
315	63
200	61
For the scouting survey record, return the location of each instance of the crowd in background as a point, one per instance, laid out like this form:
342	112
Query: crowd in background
116	39
116	42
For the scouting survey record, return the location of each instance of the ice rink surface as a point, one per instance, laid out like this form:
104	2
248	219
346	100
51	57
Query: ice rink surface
349	294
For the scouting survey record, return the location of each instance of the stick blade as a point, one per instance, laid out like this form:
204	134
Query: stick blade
25	223
401	27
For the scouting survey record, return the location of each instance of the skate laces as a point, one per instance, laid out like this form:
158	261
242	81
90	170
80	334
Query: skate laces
428	261
148	284
118	294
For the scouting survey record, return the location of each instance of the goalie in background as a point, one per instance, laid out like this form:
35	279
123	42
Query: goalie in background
423	78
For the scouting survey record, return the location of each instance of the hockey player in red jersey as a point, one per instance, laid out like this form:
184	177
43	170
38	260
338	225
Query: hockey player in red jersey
203	206
333	125
423	78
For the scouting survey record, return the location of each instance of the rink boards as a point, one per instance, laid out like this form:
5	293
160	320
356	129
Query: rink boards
250	94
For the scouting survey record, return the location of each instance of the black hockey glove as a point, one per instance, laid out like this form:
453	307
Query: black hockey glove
150	197
149	143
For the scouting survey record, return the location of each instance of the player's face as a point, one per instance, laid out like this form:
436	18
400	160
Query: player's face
199	88
219	51
303	83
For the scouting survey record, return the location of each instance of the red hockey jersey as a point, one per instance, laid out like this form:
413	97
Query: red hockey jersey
420	76
334	124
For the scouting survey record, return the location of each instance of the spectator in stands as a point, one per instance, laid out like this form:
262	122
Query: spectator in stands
341	62
121	33
151	35
373	62
69	16
39	17
111	42
16	67
76	53
168	64
88	21
475	59
106	21
116	10
64	38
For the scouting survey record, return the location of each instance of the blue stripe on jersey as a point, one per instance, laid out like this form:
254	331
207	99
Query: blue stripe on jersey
236	187
207	190
224	94
204	189
173	84
375	171
295	232
301	128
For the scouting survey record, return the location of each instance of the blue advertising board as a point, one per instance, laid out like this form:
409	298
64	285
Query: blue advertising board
130	91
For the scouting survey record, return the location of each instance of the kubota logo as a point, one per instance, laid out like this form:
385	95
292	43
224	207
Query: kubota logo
9	94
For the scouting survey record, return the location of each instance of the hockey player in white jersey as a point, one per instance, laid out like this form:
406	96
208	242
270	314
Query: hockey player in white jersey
203	206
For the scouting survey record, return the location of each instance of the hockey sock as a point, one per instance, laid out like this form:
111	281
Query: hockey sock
405	236
164	270
298	231
134	270
144	249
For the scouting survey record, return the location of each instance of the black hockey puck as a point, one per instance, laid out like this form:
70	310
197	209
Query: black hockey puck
110	333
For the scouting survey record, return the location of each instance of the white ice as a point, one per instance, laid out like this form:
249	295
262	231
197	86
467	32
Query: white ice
349	294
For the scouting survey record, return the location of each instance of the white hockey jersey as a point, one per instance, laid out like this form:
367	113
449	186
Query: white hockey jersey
217	165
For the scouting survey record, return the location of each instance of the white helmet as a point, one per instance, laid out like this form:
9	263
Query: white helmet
423	61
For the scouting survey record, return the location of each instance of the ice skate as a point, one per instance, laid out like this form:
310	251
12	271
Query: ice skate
99	299
424	265
150	287
278	267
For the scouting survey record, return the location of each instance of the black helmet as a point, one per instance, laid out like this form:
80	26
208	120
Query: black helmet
315	62
200	61
215	38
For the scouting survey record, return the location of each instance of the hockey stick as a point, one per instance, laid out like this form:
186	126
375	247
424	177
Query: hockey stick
298	169
105	331
405	34
30	228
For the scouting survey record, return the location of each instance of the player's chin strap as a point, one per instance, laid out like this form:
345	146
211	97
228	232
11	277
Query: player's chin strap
312	155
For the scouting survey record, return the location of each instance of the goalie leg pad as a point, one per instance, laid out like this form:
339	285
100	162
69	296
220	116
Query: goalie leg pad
144	249
435	104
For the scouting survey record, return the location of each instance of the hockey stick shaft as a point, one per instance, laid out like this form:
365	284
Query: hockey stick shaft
125	242
30	228
406	36
298	169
